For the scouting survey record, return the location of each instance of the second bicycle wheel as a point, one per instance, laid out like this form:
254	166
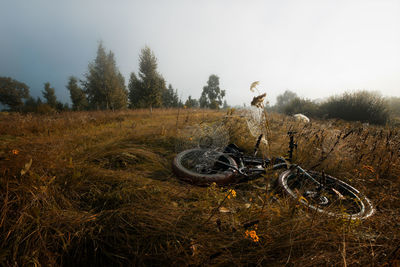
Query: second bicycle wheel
326	194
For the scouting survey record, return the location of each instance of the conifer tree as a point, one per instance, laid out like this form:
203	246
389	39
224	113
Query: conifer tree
135	92
170	97
176	101
146	89
78	97
104	84
192	102
49	95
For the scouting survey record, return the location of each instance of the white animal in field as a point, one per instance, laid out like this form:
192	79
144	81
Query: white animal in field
301	117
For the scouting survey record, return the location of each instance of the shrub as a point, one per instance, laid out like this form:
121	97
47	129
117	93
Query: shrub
394	106
301	105
361	106
45	109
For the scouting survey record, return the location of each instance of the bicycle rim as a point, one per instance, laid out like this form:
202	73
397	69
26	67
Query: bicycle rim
204	166
334	198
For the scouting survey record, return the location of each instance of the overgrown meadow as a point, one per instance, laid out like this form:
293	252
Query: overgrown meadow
96	189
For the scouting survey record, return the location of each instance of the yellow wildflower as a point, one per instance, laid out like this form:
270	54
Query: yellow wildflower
15	151
232	194
252	235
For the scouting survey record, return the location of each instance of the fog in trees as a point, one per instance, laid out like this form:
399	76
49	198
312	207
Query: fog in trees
146	89
104	83
78	97
12	93
192	102
212	95
49	95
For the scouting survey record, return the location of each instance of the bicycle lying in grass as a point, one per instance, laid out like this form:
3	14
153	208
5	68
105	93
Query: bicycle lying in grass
317	191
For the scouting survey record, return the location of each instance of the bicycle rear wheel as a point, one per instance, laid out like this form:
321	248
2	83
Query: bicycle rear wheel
204	166
330	196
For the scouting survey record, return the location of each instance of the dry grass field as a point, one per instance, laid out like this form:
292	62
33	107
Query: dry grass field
96	189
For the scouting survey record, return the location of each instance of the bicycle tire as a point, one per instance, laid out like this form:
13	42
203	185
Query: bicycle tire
349	202
193	174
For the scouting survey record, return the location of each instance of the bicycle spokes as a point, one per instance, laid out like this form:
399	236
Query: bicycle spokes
323	193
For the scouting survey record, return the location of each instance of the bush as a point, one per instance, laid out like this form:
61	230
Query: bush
45	109
394	106
304	106
361	106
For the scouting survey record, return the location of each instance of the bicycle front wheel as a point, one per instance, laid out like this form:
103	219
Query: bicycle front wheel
204	166
325	194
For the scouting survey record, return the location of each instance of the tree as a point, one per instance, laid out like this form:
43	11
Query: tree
170	97
62	106
225	106
192	102
78	97
49	95
176	100
37	106
284	99
12	92
135	92
147	89
212	95
304	106
104	84
30	105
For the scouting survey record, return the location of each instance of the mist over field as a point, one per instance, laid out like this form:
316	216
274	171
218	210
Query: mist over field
313	48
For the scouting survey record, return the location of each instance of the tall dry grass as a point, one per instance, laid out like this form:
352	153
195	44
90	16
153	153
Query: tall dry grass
100	191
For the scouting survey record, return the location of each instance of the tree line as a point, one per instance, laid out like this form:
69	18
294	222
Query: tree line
103	88
363	106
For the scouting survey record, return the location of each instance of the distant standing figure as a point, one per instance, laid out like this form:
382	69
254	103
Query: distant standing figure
301	117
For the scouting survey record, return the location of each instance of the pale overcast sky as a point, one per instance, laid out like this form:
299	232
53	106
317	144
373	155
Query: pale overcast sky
315	48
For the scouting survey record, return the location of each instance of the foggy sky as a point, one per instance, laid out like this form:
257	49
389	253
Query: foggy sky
314	48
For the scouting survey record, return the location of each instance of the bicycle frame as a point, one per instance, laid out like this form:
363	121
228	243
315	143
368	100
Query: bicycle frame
259	165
